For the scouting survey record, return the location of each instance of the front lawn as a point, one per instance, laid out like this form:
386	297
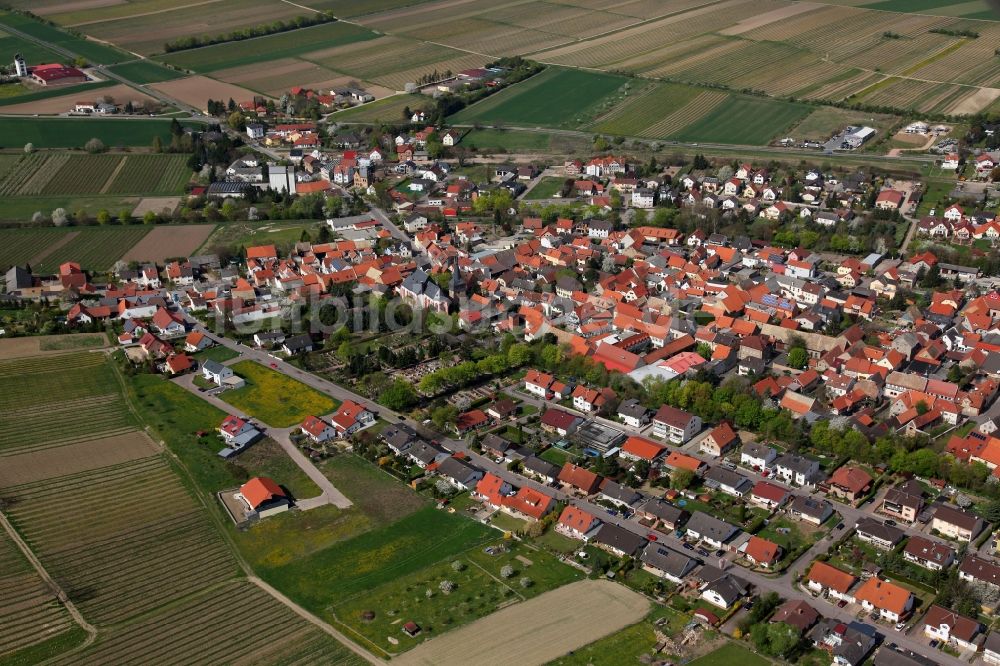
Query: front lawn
628	645
728	654
546	188
275	398
217	353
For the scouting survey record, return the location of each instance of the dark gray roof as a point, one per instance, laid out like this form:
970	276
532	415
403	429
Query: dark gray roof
663	510
810	506
710	526
542	467
617	491
726	477
459	470
900	657
796	463
298	342
213	367
633	408
879	530
668	560
992	642
619	538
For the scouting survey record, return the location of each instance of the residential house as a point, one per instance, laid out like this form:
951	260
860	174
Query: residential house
580	478
318	430
263	497
757	456
892	602
980	572
949	627
810	509
991	649
722	589
720	441
727	481
711	530
848	644
576	523
768	495
541	470
675	425
351	417
666	562
761	552
928	554
956	524
878	534
850	483
632	413
459	473
797	470
560	421
796	614
902	504
657	512
640	448
617	540
830	581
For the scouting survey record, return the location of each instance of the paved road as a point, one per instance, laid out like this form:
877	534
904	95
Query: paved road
329	493
783	584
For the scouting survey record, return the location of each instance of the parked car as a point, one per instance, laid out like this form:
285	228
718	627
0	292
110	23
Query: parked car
652	537
841	603
688	546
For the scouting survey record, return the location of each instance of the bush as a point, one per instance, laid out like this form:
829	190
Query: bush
447	586
507	571
95	145
457	566
526	582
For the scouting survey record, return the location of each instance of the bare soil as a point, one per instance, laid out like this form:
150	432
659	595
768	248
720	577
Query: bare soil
75	458
11	348
197	90
64	103
536	631
165	242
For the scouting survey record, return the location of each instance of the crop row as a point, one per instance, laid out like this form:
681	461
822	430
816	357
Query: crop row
83	174
96	248
31	169
699	107
151	174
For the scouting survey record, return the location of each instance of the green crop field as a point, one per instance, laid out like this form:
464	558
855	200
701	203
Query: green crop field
747	121
508	140
57	390
16	93
17	246
83	174
145	71
388	109
34	619
33	52
645	108
555	98
94	248
271	47
274	398
93	51
973	10
75	132
151	174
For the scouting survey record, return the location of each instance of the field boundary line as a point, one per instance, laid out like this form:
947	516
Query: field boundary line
306	615
60	594
114	174
158	11
67	238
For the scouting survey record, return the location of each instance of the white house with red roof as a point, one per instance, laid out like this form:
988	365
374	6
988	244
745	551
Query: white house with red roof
263	497
318	430
351	417
196	341
951	161
168	324
238	434
576	523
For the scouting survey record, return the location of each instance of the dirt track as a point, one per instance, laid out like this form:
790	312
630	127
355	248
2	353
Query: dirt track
536	631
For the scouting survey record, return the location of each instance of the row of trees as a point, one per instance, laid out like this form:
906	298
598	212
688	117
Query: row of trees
249	32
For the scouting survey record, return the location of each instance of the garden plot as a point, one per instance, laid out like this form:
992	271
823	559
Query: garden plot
164	242
539	630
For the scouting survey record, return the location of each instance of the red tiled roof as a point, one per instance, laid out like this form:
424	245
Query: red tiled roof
260	489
